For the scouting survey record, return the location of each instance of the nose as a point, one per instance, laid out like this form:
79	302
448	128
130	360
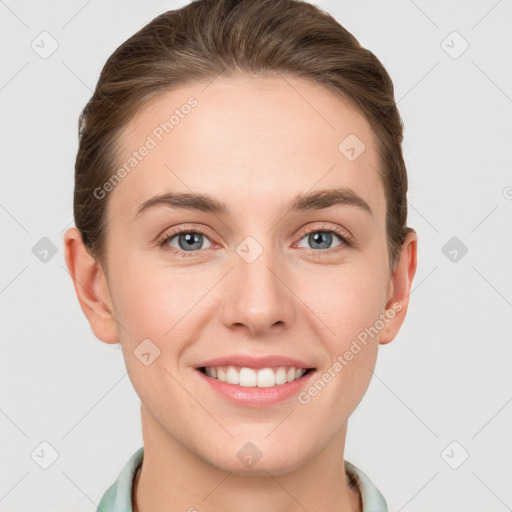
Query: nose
258	296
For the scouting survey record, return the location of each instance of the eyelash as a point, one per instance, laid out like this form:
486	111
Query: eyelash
344	237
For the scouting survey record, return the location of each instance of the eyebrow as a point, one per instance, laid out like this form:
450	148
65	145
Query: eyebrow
315	200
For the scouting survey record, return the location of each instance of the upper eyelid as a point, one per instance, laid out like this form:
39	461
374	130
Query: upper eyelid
315	228
166	235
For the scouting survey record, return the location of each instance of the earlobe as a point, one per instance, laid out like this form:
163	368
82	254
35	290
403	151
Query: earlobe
400	285
91	287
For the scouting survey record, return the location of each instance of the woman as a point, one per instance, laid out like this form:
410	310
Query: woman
240	209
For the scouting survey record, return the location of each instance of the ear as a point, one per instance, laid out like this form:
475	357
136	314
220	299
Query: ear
91	287
400	288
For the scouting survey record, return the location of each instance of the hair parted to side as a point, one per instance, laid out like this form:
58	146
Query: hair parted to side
253	37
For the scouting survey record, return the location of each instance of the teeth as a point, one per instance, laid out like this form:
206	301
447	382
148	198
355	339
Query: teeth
281	376
266	378
249	377
232	376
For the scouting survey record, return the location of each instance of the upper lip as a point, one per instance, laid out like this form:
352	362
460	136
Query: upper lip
248	361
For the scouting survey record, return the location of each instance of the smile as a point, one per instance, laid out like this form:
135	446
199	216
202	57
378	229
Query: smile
255	377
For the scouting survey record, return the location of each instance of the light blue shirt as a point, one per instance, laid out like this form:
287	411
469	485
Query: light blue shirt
118	497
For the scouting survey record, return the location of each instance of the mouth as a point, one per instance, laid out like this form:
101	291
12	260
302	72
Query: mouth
247	377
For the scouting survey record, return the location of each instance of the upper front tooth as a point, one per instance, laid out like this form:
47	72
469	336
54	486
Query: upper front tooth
266	378
247	377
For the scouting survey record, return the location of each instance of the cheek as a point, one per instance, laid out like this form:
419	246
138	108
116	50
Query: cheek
351	311
153	305
150	304
353	301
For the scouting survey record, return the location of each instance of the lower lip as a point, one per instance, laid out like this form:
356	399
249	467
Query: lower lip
254	396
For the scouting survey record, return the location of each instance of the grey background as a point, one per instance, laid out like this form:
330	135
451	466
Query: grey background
444	379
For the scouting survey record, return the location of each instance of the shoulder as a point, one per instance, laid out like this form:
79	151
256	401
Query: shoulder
371	497
118	497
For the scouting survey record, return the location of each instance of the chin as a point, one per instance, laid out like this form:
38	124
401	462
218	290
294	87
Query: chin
259	459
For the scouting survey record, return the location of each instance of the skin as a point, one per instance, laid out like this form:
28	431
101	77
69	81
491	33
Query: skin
254	143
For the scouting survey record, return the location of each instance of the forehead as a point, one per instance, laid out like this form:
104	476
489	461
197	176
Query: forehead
245	139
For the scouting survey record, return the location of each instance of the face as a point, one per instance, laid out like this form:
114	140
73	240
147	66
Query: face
261	276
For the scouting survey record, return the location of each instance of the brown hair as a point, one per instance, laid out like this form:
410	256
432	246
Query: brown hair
256	37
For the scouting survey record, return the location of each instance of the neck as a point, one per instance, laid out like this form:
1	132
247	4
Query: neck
173	478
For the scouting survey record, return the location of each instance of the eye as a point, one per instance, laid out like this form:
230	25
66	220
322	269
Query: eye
188	242
322	239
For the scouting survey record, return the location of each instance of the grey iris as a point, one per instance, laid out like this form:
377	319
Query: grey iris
316	237
190	240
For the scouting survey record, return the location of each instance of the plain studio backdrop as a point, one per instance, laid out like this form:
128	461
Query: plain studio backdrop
433	430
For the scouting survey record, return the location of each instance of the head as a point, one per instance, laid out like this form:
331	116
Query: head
270	139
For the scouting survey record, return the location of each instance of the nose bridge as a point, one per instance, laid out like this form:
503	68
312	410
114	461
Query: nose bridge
257	296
